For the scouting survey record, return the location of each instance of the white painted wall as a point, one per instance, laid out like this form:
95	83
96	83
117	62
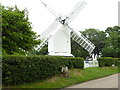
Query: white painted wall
60	42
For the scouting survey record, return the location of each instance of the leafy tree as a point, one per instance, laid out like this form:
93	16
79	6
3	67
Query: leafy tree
97	37
17	34
111	48
77	50
43	51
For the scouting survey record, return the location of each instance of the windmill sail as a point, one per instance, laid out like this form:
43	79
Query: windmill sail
76	10
49	8
49	33
81	40
50	29
65	22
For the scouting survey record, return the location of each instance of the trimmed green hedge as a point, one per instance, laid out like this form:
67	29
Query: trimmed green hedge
108	61
23	69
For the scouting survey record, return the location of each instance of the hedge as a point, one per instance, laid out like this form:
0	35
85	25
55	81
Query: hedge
108	61
24	69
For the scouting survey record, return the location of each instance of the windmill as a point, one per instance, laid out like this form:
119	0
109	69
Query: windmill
58	34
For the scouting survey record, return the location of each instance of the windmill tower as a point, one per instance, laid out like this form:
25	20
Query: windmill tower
60	31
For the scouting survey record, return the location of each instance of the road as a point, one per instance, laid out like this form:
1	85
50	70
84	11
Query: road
105	82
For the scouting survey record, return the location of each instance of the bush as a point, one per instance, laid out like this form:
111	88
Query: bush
23	69
107	61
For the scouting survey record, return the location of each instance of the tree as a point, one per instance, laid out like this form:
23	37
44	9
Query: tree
17	34
97	37
43	51
77	50
111	48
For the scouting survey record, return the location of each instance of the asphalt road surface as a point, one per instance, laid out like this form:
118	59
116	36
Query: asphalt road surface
105	82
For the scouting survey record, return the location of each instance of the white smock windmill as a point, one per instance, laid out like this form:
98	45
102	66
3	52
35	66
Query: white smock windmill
60	31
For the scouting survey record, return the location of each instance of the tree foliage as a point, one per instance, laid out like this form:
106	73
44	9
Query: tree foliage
43	51
17	34
77	50
97	37
106	42
112	45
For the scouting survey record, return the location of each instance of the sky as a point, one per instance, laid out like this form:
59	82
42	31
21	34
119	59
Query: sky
98	14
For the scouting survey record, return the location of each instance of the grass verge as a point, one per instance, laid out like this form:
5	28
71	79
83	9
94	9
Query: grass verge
76	76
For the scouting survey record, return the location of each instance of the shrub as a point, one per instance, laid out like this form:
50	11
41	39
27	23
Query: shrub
23	69
107	61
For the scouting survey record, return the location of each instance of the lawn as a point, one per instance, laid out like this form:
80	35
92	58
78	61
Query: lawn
76	76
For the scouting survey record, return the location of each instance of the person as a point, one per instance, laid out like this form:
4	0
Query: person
65	72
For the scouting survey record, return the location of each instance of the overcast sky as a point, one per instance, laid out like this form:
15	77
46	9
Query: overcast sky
98	14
